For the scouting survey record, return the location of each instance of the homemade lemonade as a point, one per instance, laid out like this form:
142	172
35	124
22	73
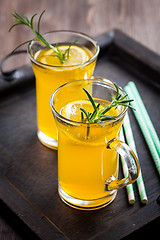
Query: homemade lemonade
84	163
89	115
57	57
52	74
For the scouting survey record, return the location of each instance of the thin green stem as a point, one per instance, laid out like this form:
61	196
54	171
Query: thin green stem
29	23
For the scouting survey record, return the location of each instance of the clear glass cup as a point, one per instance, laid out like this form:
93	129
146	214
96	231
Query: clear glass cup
88	164
50	77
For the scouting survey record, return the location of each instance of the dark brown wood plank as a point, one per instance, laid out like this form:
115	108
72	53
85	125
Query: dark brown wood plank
28	213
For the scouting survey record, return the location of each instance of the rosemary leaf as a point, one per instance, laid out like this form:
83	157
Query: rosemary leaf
83	110
32	20
29	23
21	45
91	99
98	116
39	20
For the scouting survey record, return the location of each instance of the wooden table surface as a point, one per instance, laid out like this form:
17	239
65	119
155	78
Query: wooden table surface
138	18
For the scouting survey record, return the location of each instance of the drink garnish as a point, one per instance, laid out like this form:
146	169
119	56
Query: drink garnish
29	23
99	115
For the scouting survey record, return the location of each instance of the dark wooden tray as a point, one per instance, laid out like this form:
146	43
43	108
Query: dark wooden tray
28	170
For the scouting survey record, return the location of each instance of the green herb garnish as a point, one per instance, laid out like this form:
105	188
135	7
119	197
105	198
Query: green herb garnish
99	115
29	23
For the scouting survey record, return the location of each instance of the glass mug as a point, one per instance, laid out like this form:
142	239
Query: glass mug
49	77
88	166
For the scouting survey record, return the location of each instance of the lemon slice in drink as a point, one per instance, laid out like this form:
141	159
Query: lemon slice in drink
77	55
72	110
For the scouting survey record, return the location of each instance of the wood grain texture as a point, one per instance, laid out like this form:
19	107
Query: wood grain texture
139	19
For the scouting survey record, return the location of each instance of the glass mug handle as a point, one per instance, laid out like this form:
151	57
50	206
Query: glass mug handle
131	162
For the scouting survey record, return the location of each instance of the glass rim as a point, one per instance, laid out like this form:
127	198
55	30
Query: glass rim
70	66
95	80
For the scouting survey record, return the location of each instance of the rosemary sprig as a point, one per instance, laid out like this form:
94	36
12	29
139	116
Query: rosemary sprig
29	23
99	115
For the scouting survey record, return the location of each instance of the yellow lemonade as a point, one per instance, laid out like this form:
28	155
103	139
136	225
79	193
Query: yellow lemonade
84	163
52	74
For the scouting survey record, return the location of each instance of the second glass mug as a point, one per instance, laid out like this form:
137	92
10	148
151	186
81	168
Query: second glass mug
88	166
50	77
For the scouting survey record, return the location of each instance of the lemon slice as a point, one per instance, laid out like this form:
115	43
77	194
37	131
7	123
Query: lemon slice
72	110
77	55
